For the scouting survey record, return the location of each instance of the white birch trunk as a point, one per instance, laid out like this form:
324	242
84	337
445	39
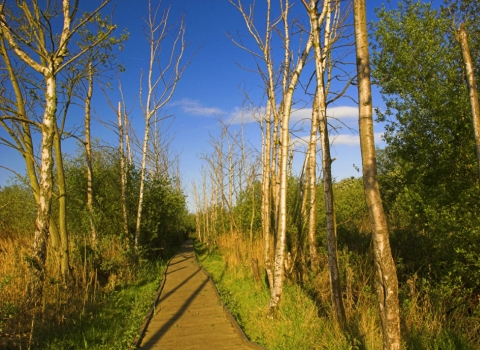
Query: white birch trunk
472	89
386	273
39	249
123	173
279	272
321	107
88	151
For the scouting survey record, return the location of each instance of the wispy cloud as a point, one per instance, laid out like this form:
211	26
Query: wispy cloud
245	116
339	139
341	112
240	116
352	140
194	107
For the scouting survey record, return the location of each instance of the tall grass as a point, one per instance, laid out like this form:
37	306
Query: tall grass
296	325
305	319
101	307
114	320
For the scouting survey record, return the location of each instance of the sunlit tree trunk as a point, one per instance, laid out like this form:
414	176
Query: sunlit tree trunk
88	151
320	105
386	274
312	179
121	122
206	232
27	145
266	194
39	249
472	88
279	272
62	205
198	212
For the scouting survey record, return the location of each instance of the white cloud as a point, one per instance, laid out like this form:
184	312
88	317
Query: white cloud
345	139
339	139
246	116
341	112
194	107
239	116
353	140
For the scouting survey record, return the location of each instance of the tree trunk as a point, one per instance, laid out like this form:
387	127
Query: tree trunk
386	274
279	271
142	183
88	151
62	207
333	268
123	174
39	248
472	89
28	151
266	196
321	107
312	179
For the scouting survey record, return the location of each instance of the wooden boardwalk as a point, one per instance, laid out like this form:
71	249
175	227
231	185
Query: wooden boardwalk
189	313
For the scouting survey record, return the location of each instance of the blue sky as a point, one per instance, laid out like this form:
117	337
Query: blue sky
213	86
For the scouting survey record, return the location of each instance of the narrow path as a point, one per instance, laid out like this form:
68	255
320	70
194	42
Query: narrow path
189	314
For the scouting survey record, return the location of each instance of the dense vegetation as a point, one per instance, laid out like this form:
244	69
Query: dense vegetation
439	309
84	237
429	183
112	287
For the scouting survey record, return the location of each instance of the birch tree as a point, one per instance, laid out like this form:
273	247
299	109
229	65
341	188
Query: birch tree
27	34
19	127
330	19
290	74
386	273
269	127
162	78
290	84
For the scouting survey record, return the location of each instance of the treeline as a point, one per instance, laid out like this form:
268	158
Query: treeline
74	226
428	176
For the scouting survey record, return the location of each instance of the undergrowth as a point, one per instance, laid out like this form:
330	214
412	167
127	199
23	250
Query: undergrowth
296	325
102	307
305	319
112	322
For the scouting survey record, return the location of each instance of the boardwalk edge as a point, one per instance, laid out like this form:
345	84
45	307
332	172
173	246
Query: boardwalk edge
141	333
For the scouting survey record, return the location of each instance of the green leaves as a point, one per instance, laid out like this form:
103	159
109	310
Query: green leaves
428	170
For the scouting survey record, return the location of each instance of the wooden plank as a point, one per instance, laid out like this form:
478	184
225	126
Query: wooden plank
189	313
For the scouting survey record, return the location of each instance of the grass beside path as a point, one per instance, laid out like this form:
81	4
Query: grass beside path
297	325
113	322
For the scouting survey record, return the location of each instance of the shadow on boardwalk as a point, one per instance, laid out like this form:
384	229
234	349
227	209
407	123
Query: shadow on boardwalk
189	314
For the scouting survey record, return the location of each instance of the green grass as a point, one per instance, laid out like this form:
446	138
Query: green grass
299	324
296	325
114	321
